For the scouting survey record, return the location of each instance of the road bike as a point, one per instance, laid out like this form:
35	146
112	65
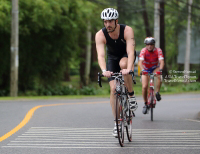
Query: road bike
151	100
124	115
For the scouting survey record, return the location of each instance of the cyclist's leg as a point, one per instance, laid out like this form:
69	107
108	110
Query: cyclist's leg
145	92
112	96
129	84
113	66
128	79
159	82
158	85
144	87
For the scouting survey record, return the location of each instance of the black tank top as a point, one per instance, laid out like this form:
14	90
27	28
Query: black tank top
115	48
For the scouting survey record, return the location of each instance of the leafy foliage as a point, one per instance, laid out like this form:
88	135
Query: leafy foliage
52	36
56	90
88	91
191	87
49	33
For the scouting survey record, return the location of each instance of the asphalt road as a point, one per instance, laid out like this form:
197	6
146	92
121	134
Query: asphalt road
84	126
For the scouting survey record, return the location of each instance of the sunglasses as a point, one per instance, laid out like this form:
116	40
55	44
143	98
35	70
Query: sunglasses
149	44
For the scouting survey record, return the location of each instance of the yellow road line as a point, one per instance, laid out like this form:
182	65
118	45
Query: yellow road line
30	114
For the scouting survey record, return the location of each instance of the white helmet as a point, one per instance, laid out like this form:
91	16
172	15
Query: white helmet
109	14
149	40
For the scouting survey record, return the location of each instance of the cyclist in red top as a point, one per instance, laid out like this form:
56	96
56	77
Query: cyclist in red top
151	59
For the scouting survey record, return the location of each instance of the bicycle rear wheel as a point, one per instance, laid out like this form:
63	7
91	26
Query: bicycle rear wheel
129	117
120	121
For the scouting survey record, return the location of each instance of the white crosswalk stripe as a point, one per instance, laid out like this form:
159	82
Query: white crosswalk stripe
62	137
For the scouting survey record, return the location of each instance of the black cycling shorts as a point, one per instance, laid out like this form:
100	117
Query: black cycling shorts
113	64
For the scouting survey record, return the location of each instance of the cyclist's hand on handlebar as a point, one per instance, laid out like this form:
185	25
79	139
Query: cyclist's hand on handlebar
144	72
159	72
107	74
125	71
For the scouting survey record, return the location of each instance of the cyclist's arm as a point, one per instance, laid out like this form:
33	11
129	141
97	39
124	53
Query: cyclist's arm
130	46
100	42
140	64
162	63
141	58
161	58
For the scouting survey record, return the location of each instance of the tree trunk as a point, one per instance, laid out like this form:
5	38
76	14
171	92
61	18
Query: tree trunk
14	50
67	74
82	69
94	62
120	9
157	23
198	79
145	18
162	34
187	52
83	47
88	56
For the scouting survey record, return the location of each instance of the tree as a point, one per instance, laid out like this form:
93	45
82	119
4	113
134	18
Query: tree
145	18
162	33
94	61
188	39
85	41
121	10
47	38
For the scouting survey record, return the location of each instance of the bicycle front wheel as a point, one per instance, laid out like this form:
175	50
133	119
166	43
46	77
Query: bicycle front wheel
120	121
151	114
129	117
151	103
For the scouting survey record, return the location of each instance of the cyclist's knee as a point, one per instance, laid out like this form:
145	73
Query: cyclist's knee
158	78
112	89
145	83
144	86
123	64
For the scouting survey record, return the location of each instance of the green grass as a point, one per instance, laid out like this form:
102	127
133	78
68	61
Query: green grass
104	91
166	88
51	97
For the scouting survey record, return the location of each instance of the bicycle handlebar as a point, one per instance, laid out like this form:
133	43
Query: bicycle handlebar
153	74
99	79
114	75
147	73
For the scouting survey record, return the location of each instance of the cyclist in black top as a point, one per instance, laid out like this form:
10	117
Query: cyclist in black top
120	46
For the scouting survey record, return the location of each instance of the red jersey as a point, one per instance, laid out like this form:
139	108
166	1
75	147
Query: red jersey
150	58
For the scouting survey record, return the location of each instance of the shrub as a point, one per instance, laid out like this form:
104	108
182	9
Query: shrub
88	91
191	87
4	92
58	90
